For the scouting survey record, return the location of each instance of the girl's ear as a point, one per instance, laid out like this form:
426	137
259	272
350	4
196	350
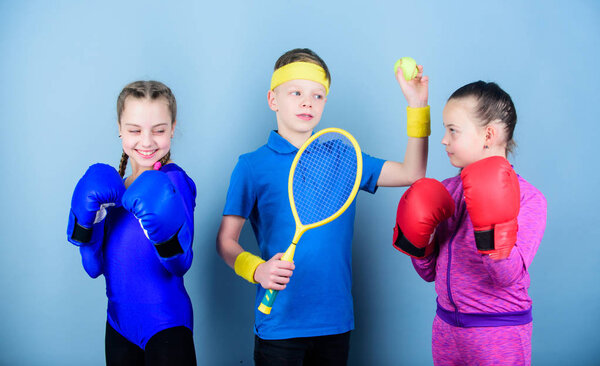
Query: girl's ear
491	134
495	134
272	100
173	127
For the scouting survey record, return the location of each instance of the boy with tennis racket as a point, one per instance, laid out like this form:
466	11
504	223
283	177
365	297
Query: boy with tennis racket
310	322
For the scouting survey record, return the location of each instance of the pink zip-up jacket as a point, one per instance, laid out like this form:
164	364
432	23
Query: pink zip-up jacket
473	289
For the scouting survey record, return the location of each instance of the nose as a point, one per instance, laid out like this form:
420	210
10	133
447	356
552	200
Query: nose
147	139
445	139
306	102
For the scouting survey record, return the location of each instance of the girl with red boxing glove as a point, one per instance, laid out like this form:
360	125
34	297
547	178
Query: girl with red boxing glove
476	234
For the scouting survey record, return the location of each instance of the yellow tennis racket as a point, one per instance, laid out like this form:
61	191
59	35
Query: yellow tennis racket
324	179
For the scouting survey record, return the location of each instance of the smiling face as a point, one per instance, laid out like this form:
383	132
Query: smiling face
465	139
146	130
299	105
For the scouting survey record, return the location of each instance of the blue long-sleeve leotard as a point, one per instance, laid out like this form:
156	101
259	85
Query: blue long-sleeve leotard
145	291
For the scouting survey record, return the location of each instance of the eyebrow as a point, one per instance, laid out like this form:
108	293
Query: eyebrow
297	87
136	125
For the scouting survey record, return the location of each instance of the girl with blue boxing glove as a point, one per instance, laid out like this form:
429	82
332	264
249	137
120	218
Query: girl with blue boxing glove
138	233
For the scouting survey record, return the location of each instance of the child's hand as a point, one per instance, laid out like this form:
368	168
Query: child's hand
416	91
274	274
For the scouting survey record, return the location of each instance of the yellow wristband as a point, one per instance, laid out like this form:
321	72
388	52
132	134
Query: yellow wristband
245	265
418	122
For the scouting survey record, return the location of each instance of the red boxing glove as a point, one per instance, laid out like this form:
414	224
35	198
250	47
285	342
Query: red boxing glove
420	210
493	198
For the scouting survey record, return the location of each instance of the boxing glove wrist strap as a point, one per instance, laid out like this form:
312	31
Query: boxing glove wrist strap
500	236
418	122
169	248
405	246
245	265
484	240
81	234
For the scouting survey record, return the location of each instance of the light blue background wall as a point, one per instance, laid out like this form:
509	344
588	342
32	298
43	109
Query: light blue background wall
63	63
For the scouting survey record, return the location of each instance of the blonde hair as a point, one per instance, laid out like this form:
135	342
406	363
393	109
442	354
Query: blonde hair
152	90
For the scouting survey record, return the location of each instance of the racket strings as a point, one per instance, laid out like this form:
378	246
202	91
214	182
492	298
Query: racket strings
324	177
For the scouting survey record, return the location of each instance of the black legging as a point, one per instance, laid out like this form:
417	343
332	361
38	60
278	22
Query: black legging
172	346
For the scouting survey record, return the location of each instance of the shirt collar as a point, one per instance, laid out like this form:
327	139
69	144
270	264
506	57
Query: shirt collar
279	144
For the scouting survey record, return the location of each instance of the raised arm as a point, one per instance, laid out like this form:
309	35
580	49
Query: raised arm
532	223
100	188
396	174
159	206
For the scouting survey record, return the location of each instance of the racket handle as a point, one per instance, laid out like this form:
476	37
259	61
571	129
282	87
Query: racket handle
267	302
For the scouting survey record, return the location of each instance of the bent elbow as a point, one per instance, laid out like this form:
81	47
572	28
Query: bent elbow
93	271
219	245
416	175
419	174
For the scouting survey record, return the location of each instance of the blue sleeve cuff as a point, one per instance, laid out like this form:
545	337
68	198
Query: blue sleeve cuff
371	170
240	195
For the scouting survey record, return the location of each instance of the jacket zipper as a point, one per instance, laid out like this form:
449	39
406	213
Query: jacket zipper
456	317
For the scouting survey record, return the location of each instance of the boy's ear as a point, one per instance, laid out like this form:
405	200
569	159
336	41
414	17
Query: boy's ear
272	100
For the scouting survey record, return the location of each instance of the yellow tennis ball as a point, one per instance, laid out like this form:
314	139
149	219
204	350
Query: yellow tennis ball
408	66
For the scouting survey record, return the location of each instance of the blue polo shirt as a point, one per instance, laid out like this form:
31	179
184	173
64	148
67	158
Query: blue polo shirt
318	299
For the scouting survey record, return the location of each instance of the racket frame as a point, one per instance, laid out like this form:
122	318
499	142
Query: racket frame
267	301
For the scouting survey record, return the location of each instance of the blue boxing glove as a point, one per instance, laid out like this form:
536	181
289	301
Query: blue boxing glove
154	201
100	187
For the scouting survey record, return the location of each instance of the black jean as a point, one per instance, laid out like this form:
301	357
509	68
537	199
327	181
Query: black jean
330	350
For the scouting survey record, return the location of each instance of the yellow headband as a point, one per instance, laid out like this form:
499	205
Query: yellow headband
300	70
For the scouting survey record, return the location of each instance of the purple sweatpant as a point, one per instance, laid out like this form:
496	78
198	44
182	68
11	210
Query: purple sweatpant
508	345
